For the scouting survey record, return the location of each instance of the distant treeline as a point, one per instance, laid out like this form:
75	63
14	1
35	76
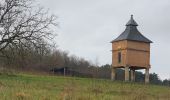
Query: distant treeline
45	58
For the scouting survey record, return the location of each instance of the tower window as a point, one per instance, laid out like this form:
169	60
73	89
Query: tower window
119	57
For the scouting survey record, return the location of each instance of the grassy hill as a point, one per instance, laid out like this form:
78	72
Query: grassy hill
36	87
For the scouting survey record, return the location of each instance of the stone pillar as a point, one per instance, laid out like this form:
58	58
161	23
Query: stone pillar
147	75
113	73
132	75
127	73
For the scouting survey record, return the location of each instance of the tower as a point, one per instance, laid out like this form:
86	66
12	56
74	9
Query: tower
131	51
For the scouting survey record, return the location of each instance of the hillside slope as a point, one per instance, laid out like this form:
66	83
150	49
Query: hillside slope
36	87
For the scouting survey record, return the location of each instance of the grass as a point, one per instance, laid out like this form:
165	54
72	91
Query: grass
38	87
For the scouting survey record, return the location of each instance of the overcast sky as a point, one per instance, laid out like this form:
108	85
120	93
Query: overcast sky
87	26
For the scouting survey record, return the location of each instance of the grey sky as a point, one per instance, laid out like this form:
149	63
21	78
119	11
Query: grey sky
87	27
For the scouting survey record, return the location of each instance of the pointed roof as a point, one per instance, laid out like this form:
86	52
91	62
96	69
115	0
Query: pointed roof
131	33
131	22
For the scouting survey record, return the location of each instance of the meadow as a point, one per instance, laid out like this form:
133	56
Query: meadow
45	87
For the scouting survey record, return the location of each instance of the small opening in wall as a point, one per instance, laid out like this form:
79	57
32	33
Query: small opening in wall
119	57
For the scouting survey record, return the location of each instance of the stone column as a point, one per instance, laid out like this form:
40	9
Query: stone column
147	75
127	73
132	74
113	73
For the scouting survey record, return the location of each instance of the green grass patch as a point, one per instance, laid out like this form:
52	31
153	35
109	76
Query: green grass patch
39	87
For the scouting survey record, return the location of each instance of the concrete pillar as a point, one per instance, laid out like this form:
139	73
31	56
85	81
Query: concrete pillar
132	75
126	73
113	73
147	75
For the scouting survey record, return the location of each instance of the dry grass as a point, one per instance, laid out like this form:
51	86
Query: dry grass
38	87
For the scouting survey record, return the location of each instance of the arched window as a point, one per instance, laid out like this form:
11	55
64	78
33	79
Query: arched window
119	57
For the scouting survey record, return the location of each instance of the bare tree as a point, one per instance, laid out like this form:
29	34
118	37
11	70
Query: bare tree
23	23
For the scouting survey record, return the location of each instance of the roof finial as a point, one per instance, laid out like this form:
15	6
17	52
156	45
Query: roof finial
131	16
131	22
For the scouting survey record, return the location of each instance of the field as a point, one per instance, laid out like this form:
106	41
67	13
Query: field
39	87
